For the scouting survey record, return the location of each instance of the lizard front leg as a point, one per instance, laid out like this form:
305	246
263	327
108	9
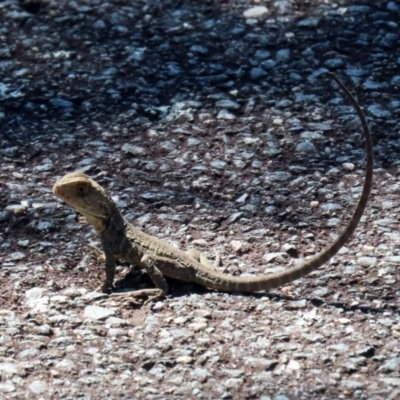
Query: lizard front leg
150	263
110	269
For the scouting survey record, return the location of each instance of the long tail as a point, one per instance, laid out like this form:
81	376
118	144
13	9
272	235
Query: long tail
228	283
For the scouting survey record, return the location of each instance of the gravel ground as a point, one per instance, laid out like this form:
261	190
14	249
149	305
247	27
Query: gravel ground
212	129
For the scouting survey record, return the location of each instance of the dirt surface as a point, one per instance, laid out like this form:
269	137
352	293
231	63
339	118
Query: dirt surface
214	131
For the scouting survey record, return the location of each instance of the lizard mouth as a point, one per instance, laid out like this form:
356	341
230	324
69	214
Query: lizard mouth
57	191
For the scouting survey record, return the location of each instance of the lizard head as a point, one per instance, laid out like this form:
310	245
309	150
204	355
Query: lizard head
85	196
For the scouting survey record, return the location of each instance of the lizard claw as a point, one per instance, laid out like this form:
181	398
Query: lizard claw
105	289
154	294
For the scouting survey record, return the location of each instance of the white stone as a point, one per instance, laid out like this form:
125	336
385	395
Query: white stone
348	166
255	12
97	313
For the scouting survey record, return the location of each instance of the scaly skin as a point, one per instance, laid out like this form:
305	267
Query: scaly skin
121	240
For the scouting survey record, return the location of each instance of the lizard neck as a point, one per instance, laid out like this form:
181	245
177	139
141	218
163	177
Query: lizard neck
101	224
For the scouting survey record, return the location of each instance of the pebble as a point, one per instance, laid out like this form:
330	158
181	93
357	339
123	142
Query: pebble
38	387
279	256
134	150
9	369
293	365
306	147
331	207
97	313
391	365
258	73
65	365
184	360
7	387
333	222
16	256
255	12
348	166
62	103
17	208
309	135
334	63
308	23
238	246
227	104
378	111
319	126
367	261
225	114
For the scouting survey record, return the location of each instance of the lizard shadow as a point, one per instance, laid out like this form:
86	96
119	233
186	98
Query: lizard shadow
136	280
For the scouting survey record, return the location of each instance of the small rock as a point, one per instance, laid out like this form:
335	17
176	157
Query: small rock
255	12
198	49
296	305
378	111
8	369
308	23
279	176
310	135
334	63
234	217
61	103
218	164
16	256
36	300
7	387
225	114
395	80
268	64
331	207
97	313
184	360
134	150
367	261
257	73
116	322
306	147
279	256
239	246
257	362
17	209
293	365
392	6
348	166
333	222
38	387
391	365
228	104
352	384
242	198
65	365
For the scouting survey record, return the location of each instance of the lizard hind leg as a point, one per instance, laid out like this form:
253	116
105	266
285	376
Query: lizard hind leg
203	260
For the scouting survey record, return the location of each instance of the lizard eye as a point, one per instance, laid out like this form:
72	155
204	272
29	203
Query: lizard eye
81	190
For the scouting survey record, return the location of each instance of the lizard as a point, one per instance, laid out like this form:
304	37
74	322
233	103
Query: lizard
121	240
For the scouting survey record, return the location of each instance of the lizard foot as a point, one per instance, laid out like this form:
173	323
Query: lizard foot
203	260
104	289
154	294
